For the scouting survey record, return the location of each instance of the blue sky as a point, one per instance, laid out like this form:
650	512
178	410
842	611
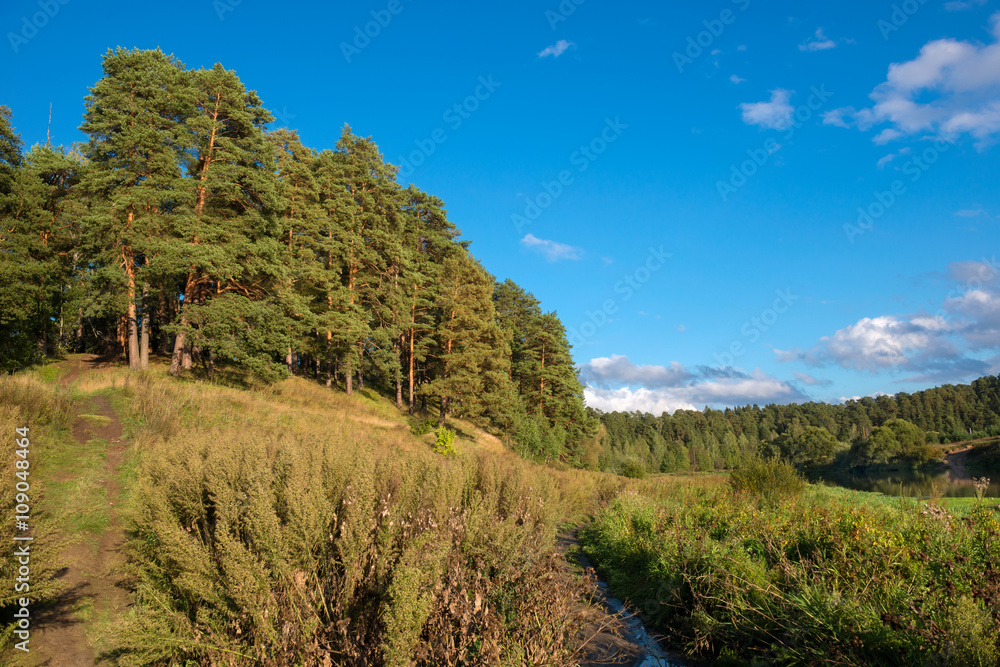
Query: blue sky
726	203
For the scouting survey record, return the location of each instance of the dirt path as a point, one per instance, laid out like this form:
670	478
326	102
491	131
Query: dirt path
617	636
93	592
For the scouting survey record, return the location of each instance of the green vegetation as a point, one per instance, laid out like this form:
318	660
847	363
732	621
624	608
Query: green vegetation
295	524
771	480
26	402
815	578
445	444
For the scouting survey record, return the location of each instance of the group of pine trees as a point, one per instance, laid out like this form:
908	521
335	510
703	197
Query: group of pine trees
878	430
186	227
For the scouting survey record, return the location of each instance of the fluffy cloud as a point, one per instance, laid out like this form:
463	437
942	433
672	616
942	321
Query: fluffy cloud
775	114
809	380
892	156
950	89
819	42
880	343
618	370
553	251
945	346
556	49
615	383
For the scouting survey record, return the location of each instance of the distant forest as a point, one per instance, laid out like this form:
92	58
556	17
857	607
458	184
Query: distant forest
869	431
186	227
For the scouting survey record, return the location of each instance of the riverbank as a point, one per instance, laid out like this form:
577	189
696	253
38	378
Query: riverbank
829	575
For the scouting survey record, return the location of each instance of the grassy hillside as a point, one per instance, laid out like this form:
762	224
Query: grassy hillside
295	525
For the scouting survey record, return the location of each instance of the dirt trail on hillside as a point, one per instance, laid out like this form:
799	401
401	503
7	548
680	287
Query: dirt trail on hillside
616	636
61	639
956	461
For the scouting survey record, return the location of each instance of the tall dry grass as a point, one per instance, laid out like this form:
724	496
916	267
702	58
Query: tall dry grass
296	526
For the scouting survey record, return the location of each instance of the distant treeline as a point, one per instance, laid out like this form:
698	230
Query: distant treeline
876	430
184	226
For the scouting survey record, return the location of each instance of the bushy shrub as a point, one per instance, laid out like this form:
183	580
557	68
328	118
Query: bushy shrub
445	441
972	635
771	479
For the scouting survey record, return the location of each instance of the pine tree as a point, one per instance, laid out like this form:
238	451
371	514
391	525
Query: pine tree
428	237
469	373
138	142
364	203
227	247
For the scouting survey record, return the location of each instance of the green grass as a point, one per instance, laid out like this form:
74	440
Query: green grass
831	576
50	371
97	421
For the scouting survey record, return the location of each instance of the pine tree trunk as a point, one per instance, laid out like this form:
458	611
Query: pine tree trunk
181	357
162	339
349	375
444	411
288	361
144	337
409	374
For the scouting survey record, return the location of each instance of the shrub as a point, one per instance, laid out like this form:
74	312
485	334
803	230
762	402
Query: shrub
421	426
445	441
972	635
771	479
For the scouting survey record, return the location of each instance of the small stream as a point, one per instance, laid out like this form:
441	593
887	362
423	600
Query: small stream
651	653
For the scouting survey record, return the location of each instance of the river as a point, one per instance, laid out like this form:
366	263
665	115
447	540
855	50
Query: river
952	480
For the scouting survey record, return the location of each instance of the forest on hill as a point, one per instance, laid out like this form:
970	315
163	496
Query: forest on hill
878	430
185	227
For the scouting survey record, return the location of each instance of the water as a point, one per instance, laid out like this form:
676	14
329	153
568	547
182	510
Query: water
948	482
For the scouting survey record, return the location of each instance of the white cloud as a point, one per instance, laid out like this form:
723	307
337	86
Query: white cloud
876	343
736	79
742	389
682	328
958	5
951	88
615	383
642	399
970	212
892	156
556	49
838	117
980	310
945	346
807	379
552	250
819	42
775	114
618	370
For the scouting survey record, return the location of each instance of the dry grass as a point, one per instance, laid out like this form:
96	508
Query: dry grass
297	526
